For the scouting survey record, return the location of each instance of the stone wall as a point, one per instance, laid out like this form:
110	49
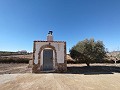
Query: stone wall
36	68
62	67
30	64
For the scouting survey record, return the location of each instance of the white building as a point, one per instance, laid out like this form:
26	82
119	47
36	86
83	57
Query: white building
49	55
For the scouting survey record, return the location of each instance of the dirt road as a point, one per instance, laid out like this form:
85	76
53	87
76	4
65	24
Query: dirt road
53	81
78	77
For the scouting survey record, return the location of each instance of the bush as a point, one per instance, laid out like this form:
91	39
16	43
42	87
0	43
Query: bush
13	60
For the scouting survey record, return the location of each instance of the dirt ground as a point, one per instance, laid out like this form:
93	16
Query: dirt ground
14	68
78	77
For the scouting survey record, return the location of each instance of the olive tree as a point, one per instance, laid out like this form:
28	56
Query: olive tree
88	51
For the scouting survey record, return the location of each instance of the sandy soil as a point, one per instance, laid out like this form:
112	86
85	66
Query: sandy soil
53	81
14	68
78	77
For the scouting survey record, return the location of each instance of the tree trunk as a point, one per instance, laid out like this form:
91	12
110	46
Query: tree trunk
88	64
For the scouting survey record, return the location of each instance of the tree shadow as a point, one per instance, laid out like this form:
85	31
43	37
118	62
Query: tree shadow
92	70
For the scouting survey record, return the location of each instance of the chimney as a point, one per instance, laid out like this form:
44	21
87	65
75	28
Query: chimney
49	36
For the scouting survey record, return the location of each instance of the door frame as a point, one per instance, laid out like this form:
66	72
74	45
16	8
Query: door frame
40	56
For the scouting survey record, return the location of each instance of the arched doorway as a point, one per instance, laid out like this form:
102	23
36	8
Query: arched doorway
47	58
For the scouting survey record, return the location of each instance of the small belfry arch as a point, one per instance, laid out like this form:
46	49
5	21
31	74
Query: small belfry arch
47	46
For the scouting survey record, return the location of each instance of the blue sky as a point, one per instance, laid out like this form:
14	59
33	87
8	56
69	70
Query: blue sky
23	21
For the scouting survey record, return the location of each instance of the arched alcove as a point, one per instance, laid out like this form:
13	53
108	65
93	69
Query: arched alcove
40	54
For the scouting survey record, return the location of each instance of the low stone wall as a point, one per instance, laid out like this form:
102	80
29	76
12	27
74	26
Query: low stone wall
30	64
62	67
36	68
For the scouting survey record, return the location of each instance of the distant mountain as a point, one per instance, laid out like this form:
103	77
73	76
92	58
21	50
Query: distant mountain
113	53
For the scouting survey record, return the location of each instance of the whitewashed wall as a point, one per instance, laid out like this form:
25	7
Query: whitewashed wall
60	51
59	46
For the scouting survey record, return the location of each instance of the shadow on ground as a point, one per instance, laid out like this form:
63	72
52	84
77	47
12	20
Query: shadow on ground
92	70
71	69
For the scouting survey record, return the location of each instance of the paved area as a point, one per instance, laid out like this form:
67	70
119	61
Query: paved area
53	81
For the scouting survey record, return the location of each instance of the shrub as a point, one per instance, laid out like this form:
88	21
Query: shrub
13	60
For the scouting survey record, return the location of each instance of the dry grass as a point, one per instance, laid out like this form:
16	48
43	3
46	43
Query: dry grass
14	68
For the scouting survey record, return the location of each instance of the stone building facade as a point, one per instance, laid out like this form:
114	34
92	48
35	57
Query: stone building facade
49	56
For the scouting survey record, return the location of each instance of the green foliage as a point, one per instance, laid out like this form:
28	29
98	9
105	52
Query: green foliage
88	51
